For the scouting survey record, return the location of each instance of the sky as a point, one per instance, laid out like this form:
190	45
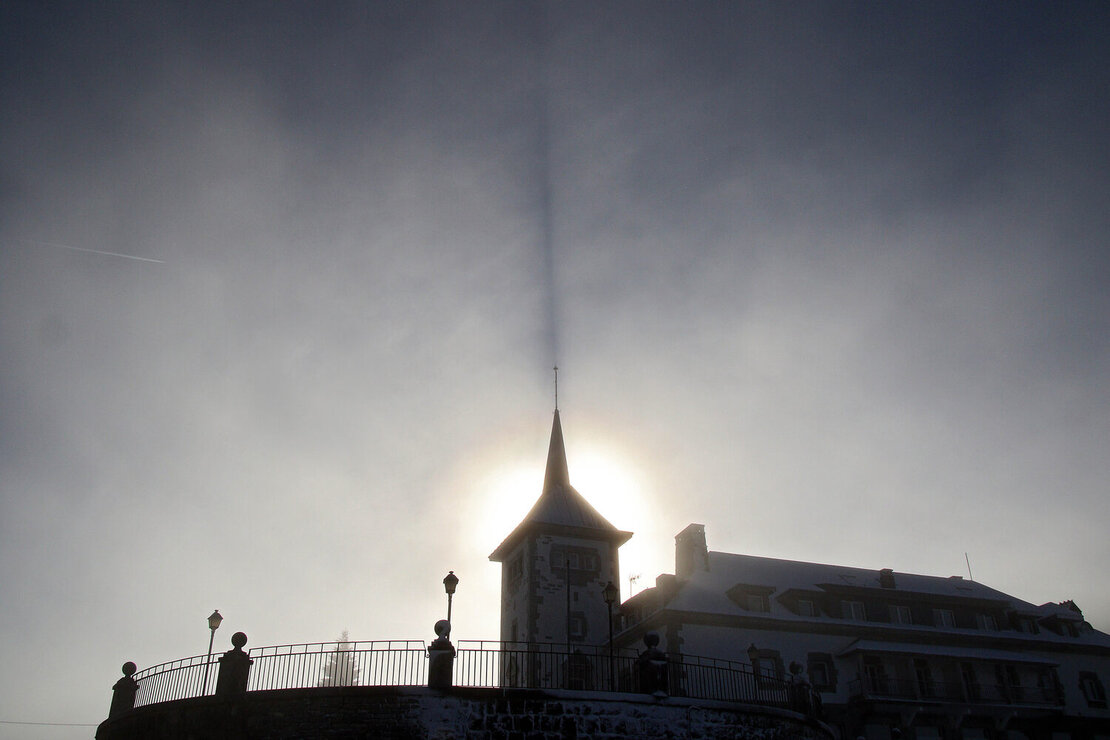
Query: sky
282	286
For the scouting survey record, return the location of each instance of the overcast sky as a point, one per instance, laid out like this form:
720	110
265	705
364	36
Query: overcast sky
830	279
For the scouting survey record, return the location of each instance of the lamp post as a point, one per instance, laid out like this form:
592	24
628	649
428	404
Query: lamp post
449	585
611	594
214	620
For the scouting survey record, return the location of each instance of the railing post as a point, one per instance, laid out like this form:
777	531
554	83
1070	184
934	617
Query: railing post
235	666
123	692
441	657
652	667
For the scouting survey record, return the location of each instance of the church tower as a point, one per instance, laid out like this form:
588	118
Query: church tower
556	563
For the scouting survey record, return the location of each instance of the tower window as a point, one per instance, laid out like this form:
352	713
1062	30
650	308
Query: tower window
577	626
583	559
516	570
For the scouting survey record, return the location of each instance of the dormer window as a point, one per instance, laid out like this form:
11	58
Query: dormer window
853	610
986	622
806	608
751	598
900	614
944	618
756	603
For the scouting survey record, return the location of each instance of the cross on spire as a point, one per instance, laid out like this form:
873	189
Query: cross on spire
556	369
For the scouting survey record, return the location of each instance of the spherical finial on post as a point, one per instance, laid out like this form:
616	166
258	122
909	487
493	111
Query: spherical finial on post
239	639
123	692
441	657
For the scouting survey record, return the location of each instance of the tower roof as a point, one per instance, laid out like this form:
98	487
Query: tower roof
561	509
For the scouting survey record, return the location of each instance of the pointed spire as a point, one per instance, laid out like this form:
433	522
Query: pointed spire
557	473
560	508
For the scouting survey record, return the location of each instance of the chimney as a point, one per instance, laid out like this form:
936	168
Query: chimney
690	551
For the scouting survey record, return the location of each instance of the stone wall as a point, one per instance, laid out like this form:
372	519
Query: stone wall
463	714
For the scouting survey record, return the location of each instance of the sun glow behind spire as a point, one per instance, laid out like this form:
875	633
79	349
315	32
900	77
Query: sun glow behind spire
616	487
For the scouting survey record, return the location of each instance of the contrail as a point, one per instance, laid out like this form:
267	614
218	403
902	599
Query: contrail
92	251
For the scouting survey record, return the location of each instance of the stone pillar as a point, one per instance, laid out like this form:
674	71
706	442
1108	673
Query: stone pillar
441	658
123	692
235	667
652	667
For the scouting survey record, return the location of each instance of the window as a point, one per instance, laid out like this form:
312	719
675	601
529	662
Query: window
1028	625
767	665
516	570
751	597
944	618
874	674
822	672
971	681
1046	683
577	626
756	603
805	608
578	558
987	622
900	614
924	676
1092	689
853	610
1008	678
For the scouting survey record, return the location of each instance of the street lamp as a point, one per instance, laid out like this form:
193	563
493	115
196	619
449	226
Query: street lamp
449	584
611	594
214	620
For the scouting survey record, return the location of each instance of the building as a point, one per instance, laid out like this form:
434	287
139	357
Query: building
888	654
554	676
934	657
556	563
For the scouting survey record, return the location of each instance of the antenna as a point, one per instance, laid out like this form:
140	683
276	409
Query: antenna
556	369
966	560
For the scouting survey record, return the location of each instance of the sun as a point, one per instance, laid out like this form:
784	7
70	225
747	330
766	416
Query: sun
506	492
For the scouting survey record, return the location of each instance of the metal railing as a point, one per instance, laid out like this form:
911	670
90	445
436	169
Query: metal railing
301	666
321	664
479	664
177	679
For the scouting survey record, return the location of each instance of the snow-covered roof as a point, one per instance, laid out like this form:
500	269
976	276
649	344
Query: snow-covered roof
707	592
